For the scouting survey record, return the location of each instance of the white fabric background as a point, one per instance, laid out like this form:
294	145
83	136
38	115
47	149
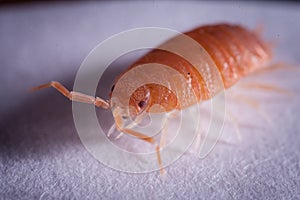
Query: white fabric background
41	156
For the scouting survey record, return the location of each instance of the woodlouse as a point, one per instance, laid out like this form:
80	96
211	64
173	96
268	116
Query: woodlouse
235	51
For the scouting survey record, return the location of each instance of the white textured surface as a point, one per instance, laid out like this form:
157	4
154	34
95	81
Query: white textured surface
41	155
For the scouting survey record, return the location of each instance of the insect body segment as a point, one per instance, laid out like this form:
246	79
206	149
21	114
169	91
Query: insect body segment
236	51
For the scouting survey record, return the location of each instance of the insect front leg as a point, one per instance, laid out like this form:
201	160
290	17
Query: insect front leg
119	126
74	96
150	140
164	131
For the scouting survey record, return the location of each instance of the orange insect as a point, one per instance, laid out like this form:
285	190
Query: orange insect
235	51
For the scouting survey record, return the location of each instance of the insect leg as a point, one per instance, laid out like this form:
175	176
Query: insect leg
74	96
266	87
119	136
147	139
235	123
255	105
111	130
274	67
164	130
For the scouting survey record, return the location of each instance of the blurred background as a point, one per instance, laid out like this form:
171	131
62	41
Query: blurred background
41	156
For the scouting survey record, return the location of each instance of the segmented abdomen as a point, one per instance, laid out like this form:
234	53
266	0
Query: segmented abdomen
235	50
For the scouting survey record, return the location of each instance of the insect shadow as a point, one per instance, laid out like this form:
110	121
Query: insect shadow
44	124
38	126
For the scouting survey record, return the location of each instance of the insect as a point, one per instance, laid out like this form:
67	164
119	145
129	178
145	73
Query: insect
235	51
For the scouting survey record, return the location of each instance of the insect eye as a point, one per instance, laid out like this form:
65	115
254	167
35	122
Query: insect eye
141	104
112	88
